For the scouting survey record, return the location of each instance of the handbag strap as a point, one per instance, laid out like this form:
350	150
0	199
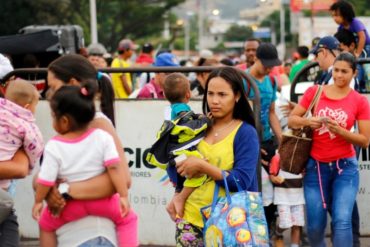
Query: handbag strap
315	99
217	189
237	184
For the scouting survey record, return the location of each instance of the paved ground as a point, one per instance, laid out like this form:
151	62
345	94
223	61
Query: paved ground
365	242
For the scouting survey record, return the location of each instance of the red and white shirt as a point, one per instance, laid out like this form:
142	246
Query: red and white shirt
326	146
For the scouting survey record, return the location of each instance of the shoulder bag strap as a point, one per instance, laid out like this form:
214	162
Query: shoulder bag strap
315	99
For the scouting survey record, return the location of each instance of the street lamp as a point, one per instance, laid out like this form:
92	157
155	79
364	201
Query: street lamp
216	12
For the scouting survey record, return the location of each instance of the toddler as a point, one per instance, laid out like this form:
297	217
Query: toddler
344	15
177	139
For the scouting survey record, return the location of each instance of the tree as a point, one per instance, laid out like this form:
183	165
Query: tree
362	7
238	33
116	19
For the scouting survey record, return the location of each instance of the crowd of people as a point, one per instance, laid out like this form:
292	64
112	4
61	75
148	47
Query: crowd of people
90	206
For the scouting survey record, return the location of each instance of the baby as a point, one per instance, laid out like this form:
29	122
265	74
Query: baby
18	130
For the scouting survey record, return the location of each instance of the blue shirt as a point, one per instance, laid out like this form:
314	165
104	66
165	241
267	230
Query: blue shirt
176	108
267	96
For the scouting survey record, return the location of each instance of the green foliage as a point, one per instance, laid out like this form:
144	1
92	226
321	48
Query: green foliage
238	33
362	7
116	19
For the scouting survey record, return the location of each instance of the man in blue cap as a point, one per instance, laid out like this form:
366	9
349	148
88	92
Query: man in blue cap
154	89
325	51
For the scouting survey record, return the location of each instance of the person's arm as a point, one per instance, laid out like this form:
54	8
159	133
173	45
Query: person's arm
361	139
116	173
193	167
17	167
361	42
245	162
246	153
41	193
296	119
125	84
274	122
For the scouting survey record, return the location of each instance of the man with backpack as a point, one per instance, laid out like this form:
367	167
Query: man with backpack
266	59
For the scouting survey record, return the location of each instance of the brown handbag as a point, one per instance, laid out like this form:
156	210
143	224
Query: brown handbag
295	146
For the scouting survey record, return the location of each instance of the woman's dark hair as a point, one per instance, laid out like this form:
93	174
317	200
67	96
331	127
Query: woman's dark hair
235	78
345	9
78	67
347	57
75	102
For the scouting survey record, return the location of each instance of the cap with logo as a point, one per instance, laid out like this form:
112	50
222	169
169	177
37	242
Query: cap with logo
268	55
327	42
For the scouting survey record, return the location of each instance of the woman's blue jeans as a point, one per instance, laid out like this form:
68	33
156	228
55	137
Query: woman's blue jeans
339	189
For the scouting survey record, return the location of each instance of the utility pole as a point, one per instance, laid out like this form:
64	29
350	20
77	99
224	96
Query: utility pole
93	25
200	24
282	28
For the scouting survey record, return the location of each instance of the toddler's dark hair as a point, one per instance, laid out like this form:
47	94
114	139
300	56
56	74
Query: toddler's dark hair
345	9
175	87
75	102
345	36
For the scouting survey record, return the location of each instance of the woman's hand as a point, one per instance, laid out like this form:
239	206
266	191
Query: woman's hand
314	122
191	167
55	201
333	126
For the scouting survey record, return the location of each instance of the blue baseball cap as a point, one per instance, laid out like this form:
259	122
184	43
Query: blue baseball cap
327	42
166	59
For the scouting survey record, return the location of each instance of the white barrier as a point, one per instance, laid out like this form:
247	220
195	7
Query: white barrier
137	124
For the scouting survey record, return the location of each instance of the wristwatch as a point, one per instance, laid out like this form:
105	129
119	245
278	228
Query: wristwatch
63	189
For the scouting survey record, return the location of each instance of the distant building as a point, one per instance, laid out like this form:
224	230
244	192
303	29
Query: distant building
260	11
217	29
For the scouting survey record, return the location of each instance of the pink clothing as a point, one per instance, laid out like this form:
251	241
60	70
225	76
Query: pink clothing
126	227
151	91
18	129
326	146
